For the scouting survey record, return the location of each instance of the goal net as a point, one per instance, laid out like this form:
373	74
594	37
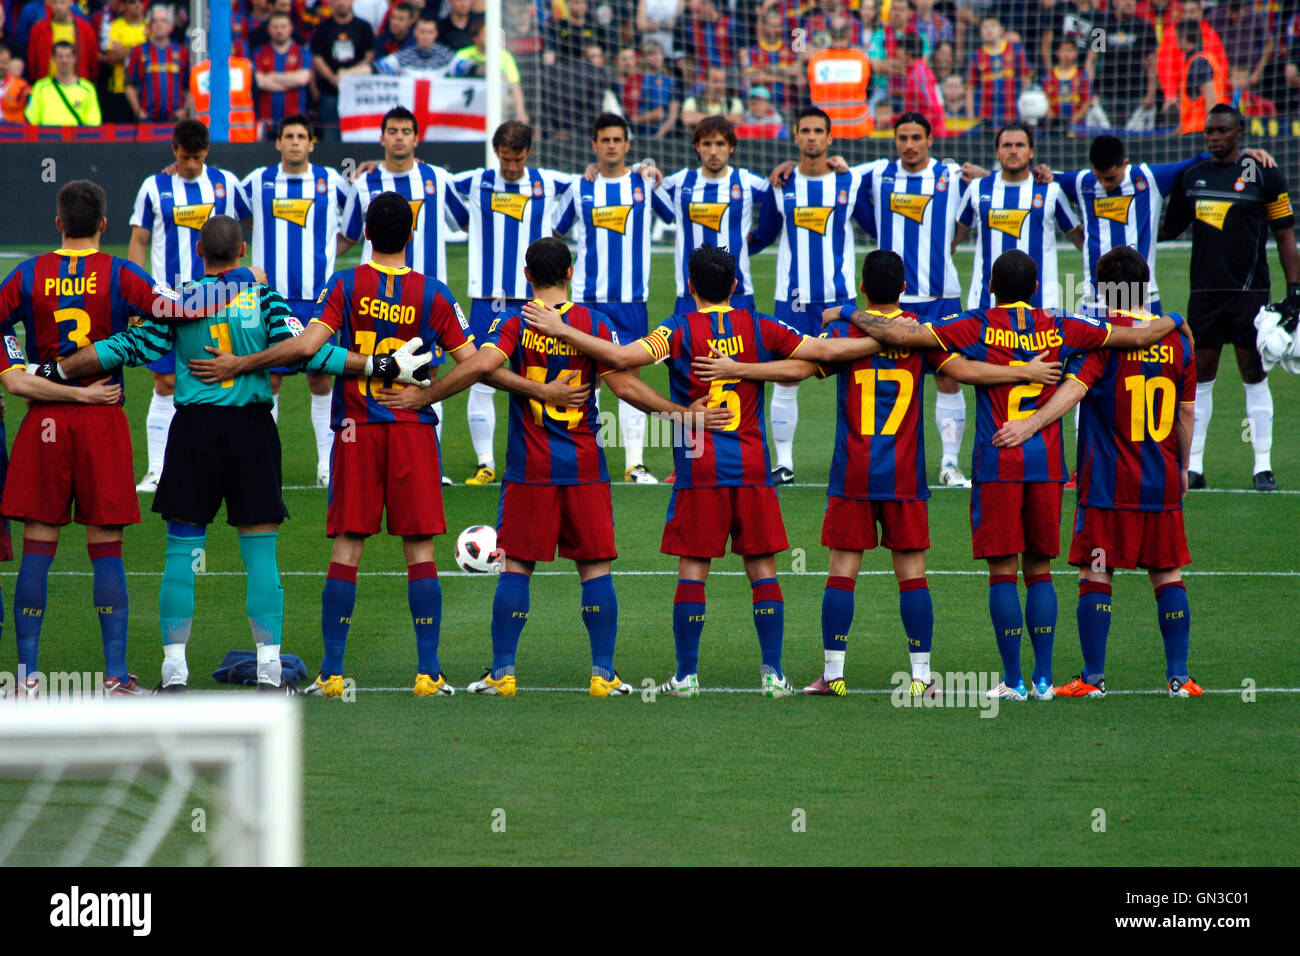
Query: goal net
193	782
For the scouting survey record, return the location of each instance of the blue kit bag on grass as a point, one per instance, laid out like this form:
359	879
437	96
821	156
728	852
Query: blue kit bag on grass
240	667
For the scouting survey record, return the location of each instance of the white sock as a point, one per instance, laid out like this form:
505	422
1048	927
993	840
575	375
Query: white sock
174	668
268	664
156	425
1204	409
1259	413
482	412
950	419
437	410
833	669
275	407
320	423
920	666
631	422
785	417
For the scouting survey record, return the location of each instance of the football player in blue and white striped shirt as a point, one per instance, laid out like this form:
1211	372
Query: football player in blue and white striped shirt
434	204
815	267
296	219
170	209
505	211
1007	210
714	205
610	222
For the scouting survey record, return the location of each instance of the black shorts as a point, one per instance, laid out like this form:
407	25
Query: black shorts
217	452
1224	318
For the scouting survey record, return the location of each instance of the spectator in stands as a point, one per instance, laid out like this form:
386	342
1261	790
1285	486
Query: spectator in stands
1243	99
427	56
921	93
259	11
1246	38
899	26
60	26
568	37
1069	92
373	12
282	70
1124	71
689	79
933	26
158	73
943	60
1012	14
707	34
14	90
627	68
772	62
7	39
822	18
1199	90
456	28
342	42
761	118
64	98
1063	19
261	35
1171	63
954	97
125	32
577	93
653	111
657	20
872	30
472	61
715	101
398	34
993	80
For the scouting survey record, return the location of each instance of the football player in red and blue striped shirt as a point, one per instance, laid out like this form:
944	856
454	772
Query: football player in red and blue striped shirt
993	79
158	71
283	70
1135	434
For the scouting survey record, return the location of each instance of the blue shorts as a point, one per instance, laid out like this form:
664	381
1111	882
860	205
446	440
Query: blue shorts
481	315
628	321
686	304
933	310
807	320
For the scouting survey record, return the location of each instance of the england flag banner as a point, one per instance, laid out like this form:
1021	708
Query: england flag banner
447	108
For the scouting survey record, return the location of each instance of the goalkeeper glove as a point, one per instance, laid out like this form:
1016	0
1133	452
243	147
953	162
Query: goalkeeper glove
1289	308
402	366
51	370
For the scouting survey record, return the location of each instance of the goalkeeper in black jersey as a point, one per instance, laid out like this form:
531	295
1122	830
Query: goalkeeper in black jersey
1232	203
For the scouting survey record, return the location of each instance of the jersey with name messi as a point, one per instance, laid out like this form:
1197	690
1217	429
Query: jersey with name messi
1013	335
713	212
1129	457
504	217
174	210
253	317
879	432
375	310
915	215
70	299
610	223
296	222
548	444
436	209
737	454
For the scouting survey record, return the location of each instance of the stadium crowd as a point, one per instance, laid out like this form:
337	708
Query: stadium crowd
665	64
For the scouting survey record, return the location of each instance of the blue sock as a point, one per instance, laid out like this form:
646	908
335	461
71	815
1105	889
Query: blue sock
111	605
688	624
31	591
1040	619
424	596
600	614
263	594
837	613
1008	624
769	620
1094	626
509	615
1175	627
337	603
917	612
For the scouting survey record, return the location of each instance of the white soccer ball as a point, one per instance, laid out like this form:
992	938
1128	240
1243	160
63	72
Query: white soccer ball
477	551
1032	106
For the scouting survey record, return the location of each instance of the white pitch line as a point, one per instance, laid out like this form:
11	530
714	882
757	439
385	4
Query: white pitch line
869	691
938	488
664	574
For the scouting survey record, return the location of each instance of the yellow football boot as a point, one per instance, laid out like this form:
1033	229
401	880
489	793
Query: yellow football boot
608	688
483	476
426	686
330	687
504	686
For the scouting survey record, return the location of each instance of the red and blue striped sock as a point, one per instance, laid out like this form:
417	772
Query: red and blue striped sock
509	615
338	601
600	614
769	620
1040	618
1093	615
1175	627
31	592
688	624
111	605
424	597
1008	624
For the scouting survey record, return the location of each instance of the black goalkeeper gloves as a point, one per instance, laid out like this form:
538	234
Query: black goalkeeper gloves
48	370
1289	308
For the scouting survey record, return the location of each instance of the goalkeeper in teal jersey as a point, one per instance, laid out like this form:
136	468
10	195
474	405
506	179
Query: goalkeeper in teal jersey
223	443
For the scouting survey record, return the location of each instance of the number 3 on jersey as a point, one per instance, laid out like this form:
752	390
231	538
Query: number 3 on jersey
80	320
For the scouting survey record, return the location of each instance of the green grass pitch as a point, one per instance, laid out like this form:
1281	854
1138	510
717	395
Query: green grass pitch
733	777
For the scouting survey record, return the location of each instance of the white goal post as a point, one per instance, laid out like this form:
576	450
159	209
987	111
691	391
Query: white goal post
109	781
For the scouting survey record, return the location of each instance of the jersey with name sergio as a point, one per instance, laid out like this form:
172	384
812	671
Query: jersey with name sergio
296	221
1013	335
879	432
713	212
375	310
737	454
435	209
1129	457
69	299
549	444
1020	215
915	215
503	218
174	210
610	222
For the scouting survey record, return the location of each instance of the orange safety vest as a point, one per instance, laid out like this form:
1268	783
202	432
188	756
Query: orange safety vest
837	82
1192	110
243	121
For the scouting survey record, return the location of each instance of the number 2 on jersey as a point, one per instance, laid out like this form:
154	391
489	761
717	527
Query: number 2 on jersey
1019	395
866	378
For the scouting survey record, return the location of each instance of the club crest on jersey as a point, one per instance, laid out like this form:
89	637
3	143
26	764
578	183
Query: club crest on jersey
1140	185
1114	208
707	214
909	205
192	217
1009	221
324	293
538	189
813	218
219	191
842	198
428	187
1238	186
1038	202
735	190
511	204
321	185
638	195
613	218
942	184
292	210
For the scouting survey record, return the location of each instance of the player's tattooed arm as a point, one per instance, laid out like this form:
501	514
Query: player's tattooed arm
548	321
34	388
890	331
1037	371
842	349
715	366
1142	334
1020	431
